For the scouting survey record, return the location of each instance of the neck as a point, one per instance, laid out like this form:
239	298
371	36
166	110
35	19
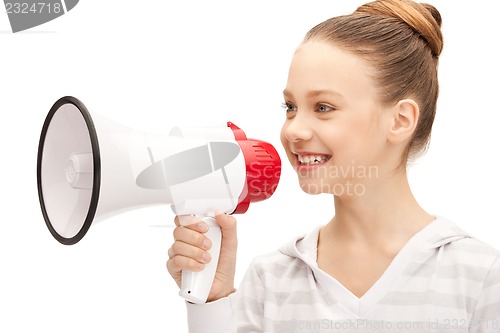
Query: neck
386	212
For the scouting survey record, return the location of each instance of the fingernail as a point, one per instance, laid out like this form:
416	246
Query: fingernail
218	212
206	257
207	244
202	226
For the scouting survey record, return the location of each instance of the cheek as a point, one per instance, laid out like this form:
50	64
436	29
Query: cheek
284	140
286	144
365	146
351	141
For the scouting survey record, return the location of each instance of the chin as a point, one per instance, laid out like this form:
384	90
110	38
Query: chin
346	188
313	187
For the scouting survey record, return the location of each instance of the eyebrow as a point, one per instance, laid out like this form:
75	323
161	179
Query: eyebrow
315	93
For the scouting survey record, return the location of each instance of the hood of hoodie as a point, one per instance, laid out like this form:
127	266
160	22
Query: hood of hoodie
435	235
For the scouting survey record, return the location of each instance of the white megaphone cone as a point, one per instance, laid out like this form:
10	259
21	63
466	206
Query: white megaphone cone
90	168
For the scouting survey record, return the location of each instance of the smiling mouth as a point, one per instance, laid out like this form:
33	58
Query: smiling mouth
313	159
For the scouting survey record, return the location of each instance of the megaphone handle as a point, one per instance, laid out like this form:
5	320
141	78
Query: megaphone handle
195	286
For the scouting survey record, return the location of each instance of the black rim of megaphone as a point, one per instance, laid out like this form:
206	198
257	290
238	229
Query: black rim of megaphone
97	169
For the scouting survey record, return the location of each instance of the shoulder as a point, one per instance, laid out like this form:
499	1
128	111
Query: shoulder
472	253
472	267
279	265
457	247
482	270
293	259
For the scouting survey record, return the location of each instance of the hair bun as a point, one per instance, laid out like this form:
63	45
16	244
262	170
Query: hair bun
424	19
434	12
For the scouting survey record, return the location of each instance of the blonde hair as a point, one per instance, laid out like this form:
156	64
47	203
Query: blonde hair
402	41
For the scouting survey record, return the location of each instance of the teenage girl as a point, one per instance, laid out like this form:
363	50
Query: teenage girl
360	101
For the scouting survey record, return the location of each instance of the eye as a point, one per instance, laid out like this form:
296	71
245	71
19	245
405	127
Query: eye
288	107
324	108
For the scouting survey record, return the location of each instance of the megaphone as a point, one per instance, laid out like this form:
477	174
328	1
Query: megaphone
90	168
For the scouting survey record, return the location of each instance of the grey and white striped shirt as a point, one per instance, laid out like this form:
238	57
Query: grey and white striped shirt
443	280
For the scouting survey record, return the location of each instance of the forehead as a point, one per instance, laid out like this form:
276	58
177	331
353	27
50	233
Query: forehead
319	65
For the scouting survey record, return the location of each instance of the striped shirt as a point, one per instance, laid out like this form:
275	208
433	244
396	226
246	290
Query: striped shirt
443	280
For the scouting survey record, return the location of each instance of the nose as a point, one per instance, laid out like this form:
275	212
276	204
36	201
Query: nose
297	129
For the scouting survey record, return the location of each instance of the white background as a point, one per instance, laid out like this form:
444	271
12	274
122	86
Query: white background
158	64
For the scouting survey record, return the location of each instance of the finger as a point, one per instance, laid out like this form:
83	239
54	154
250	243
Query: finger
189	251
177	221
180	263
192	237
191	222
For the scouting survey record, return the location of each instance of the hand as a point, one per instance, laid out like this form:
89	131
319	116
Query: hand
189	251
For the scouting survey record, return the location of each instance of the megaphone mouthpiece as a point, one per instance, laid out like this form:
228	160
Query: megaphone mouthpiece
263	169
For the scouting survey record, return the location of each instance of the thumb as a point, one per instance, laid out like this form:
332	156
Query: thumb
227	224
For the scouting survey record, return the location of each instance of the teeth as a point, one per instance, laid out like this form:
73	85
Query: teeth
312	159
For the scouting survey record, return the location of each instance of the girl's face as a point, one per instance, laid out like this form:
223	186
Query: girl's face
335	130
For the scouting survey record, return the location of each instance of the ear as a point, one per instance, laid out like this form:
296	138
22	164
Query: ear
404	120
